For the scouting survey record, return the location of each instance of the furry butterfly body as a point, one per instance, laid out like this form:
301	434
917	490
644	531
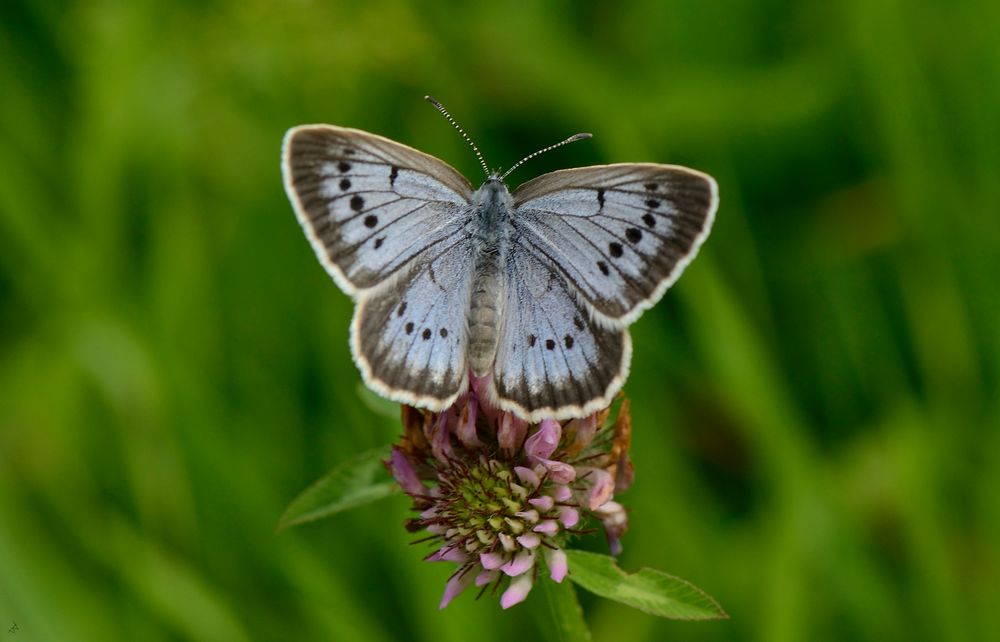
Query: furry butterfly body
533	289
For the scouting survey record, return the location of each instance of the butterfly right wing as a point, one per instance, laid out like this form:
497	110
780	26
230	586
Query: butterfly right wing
367	204
621	234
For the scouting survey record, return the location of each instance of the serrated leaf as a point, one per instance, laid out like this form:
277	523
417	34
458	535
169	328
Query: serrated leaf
648	590
358	481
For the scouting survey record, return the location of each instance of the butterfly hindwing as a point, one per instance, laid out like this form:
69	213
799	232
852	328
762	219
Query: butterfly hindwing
369	205
621	234
409	336
553	359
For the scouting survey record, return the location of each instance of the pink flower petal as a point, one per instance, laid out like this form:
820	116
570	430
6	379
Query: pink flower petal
466	428
521	563
405	474
543	503
527	476
569	517
486	577
562	493
548	527
441	440
585	431
544	442
491	561
481	391
507	542
517	591
558	564
511	432
455	585
530	515
529	540
615	521
559	472
603	487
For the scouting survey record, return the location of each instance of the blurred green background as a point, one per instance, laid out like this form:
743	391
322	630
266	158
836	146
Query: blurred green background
815	403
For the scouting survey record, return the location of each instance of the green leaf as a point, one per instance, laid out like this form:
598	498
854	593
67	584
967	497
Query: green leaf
648	590
378	405
356	482
559	612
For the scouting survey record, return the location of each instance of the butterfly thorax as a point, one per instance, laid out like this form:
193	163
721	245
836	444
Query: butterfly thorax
491	228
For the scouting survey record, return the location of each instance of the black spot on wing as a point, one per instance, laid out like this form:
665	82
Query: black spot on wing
357	203
345	184
603	267
600	198
615	249
649	220
371	220
633	235
344	167
393	173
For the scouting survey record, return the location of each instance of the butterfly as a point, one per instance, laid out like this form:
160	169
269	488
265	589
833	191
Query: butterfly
532	290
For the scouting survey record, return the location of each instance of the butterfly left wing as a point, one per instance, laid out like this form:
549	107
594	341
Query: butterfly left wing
368	204
621	234
553	359
409	336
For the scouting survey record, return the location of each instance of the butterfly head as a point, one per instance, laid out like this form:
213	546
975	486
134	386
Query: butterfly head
493	193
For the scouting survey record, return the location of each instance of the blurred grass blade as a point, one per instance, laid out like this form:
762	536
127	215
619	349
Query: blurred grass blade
559	613
358	481
648	590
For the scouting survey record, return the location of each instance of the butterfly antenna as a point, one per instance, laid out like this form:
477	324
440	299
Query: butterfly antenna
571	139
444	112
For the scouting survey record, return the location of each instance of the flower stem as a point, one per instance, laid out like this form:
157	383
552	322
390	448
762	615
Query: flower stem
558	612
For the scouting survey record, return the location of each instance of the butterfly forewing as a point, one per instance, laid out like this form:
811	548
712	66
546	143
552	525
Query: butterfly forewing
369	205
621	234
552	359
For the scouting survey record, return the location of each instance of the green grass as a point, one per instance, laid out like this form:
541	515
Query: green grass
815	403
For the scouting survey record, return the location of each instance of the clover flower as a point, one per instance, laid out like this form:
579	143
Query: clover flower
500	498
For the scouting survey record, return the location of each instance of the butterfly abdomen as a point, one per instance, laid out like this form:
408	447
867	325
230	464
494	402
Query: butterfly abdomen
489	230
484	312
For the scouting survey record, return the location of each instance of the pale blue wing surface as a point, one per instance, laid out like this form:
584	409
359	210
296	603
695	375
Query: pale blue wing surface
409	336
552	359
367	204
621	234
